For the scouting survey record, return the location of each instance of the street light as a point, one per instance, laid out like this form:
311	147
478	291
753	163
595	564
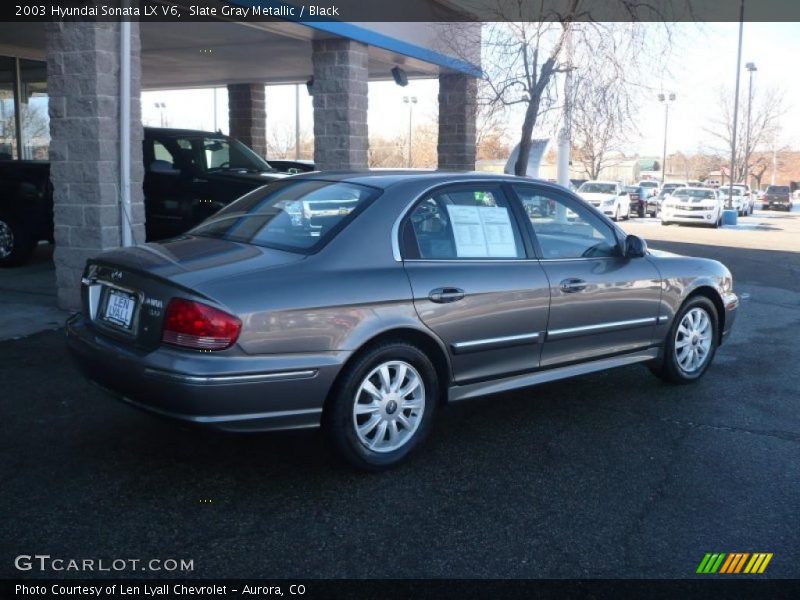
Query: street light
411	101
751	67
161	106
666	100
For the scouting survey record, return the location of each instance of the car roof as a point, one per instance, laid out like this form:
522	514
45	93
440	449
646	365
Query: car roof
184	132
385	178
697	187
602	181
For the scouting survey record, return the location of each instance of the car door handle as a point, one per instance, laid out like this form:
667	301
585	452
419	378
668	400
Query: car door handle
572	285
444	295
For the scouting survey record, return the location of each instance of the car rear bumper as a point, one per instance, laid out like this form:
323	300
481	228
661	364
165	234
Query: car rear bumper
241	393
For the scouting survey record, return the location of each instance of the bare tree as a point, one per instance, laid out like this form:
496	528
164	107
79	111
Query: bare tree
528	44
602	121
765	116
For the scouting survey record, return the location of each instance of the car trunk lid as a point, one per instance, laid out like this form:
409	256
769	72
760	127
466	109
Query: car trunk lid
126	291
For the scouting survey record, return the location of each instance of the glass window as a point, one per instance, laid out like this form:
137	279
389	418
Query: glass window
598	188
464	223
778	189
161	153
203	154
34	115
8	123
566	230
297	216
695	193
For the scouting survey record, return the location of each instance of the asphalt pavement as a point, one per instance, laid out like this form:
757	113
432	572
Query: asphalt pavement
613	474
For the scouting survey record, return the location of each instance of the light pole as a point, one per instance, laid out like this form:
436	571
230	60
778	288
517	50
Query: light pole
666	100
729	201
411	101
565	135
751	67
161	106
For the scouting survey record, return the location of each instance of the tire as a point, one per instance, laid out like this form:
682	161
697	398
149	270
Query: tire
616	215
16	243
364	450
674	369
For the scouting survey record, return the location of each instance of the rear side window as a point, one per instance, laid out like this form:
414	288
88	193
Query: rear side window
463	223
297	216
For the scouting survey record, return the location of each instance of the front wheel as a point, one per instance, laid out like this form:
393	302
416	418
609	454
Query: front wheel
16	244
691	342
383	406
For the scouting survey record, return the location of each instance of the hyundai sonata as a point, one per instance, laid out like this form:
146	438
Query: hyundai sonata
363	301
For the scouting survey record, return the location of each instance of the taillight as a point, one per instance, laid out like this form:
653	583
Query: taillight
195	325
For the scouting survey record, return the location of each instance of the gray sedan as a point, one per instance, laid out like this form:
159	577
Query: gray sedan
363	301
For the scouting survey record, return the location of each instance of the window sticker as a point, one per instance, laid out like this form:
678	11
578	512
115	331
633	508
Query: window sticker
482	231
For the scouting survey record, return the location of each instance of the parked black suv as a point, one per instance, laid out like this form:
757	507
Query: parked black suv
188	176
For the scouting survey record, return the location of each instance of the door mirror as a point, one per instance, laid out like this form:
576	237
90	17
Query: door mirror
635	247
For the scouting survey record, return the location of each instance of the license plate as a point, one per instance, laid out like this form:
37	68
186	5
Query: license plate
119	309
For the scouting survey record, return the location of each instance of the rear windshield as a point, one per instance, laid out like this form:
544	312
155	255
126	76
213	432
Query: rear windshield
598	188
297	216
778	189
737	191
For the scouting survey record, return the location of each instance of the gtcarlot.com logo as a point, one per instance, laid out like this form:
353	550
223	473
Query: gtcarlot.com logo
734	563
45	562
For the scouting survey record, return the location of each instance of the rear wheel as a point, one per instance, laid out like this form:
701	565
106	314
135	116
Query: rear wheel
16	244
383	406
691	342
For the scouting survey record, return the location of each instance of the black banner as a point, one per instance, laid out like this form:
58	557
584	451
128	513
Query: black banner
315	589
399	11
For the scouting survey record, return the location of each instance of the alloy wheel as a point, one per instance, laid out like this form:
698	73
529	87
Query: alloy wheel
693	340
388	406
6	240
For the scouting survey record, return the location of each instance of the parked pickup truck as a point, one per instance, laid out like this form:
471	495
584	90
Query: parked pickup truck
777	197
188	176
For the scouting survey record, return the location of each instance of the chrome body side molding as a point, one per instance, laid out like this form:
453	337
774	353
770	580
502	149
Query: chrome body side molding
473	390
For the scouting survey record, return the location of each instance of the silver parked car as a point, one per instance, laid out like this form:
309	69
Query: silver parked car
363	301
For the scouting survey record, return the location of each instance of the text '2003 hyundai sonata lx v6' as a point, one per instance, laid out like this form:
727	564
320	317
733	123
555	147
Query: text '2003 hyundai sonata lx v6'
362	301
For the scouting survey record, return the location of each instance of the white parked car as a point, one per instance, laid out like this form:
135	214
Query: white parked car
702	206
742	203
609	197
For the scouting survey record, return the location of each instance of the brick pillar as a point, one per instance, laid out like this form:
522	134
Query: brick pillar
457	112
340	104
83	87
247	115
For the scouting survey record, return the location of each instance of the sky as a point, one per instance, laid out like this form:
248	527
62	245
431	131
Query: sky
702	61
